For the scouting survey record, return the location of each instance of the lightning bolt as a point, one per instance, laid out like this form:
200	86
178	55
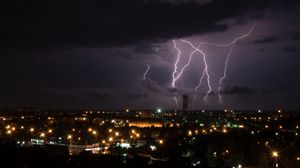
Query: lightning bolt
144	77
147	70
205	72
174	77
231	45
177	74
174	74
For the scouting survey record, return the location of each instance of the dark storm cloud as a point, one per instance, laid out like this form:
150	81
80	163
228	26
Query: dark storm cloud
276	90
186	1
125	55
173	90
137	96
267	39
146	48
114	22
149	85
284	89
261	50
77	93
290	49
243	19
293	35
90	52
99	96
239	90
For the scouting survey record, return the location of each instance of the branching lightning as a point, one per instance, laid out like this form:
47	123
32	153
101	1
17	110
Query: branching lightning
177	74
205	78
174	74
205	72
231	45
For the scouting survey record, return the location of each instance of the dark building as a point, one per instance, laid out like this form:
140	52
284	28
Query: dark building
184	102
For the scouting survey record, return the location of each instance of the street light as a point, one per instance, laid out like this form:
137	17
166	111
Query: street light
31	129
159	110
42	135
110	139
275	155
69	137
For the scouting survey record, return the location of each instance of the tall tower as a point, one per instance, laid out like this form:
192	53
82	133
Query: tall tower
184	102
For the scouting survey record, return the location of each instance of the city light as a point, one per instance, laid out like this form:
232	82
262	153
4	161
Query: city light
152	147
125	138
266	126
110	139
275	154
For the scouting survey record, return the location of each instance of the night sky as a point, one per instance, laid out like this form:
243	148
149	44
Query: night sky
71	54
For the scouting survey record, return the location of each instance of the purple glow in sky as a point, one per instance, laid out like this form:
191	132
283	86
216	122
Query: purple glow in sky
120	54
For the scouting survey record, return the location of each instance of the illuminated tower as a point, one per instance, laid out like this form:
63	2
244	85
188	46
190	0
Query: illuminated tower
184	102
